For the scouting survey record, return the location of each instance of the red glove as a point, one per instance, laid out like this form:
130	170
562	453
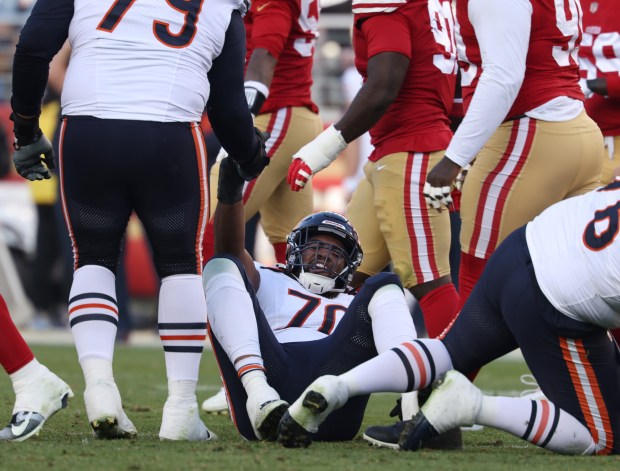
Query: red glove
298	174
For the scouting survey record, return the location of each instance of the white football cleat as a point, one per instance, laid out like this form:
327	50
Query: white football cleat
181	421
310	410
43	396
216	404
105	411
454	402
265	416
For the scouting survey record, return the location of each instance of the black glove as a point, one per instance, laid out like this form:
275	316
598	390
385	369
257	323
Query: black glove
251	168
229	183
32	149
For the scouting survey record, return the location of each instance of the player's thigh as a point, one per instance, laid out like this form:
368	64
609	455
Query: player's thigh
417	237
170	197
283	210
611	159
525	167
290	129
576	365
95	186
364	219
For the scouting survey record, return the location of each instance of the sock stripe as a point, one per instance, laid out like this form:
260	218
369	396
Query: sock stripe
93	295
544	420
408	369
93	306
429	357
419	362
530	424
93	317
182	349
556	419
183	337
182	325
247	368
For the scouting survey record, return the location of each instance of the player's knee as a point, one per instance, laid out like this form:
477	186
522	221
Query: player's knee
181	265
380	280
109	261
222	264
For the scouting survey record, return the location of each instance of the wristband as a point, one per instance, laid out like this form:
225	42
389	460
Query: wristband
323	150
25	129
229	184
255	93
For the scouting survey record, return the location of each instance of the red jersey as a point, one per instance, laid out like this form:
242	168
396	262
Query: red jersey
551	68
422	30
288	30
599	56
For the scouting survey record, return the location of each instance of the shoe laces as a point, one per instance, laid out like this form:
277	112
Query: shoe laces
529	380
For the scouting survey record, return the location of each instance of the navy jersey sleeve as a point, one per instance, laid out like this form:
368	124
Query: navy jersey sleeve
43	35
227	108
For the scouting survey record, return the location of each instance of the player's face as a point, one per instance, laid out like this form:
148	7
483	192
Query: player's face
324	255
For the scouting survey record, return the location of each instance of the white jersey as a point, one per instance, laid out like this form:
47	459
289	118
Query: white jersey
575	249
294	313
146	60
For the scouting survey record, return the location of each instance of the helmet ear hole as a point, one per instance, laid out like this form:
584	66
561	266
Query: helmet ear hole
336	226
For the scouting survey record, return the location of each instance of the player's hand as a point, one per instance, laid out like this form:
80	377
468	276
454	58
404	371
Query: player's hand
29	159
230	183
252	168
439	182
298	174
314	157
221	155
460	178
583	83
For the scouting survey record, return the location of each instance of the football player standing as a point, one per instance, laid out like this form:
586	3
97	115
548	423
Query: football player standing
525	122
138	80
407	55
599	61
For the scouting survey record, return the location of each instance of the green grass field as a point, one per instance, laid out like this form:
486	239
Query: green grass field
66	442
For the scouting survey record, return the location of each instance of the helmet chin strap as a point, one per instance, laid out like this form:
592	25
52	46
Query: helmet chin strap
317	284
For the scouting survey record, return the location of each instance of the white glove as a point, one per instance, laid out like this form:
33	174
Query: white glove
314	157
436	197
460	178
221	155
584	88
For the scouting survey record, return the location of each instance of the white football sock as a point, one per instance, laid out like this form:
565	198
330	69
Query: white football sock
392	323
93	312
182	323
410	366
538	422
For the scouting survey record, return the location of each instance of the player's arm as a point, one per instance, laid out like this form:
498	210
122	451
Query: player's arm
605	86
386	72
229	220
271	23
227	107
43	35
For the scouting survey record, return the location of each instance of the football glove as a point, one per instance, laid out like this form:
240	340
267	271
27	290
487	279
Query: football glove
460	178
251	168
436	197
314	157
31	149
583	83
229	183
